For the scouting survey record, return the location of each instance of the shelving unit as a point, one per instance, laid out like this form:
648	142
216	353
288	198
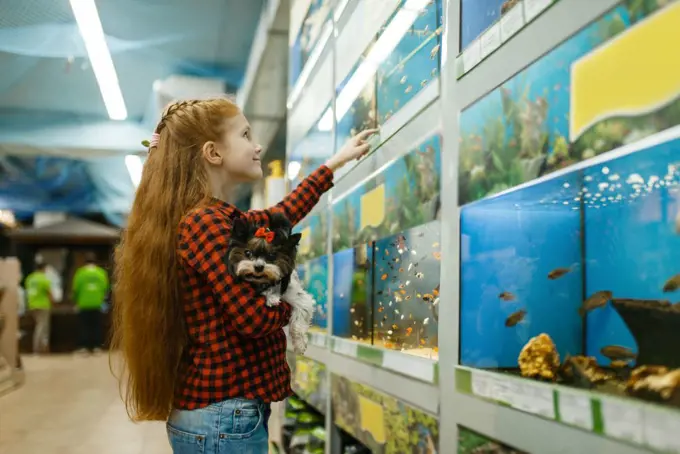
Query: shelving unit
523	414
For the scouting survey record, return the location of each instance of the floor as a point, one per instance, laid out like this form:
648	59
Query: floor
70	405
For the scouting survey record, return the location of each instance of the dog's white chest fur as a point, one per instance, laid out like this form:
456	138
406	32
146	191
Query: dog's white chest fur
303	309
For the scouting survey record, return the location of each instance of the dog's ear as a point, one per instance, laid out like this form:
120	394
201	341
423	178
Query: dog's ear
239	230
294	240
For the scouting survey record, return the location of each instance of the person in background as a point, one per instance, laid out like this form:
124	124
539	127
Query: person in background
39	298
89	289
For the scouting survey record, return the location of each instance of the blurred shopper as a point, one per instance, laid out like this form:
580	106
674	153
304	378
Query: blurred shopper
90	286
39	298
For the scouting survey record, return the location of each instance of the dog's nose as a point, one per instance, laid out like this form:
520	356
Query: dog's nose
259	268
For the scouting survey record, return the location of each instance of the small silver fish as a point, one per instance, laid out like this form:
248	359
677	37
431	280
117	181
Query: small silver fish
403	80
507	296
672	284
558	273
516	317
409	89
617	352
423	82
433	72
434	51
597	299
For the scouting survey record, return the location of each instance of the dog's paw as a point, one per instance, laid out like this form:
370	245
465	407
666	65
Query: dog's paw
273	300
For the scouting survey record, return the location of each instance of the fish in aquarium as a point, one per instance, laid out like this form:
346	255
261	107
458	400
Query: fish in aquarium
672	284
434	51
506	296
423	82
403	80
597	299
409	89
515	318
559	272
617	352
507	6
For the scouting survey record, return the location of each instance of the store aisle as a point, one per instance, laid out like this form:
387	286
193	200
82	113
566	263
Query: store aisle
70	405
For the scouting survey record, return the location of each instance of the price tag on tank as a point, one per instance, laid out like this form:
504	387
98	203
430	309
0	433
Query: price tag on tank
490	40
472	56
662	429
575	409
512	22
624	421
533	8
502	390
536	399
481	385
346	348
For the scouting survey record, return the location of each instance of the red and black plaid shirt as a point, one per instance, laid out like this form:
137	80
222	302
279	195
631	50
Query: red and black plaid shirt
237	347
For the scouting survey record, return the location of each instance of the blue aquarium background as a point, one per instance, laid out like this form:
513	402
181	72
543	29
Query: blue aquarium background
477	16
351	293
314	275
509	244
621	216
317	15
631	243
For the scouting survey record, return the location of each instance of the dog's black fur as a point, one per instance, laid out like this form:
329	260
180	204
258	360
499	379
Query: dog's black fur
281	252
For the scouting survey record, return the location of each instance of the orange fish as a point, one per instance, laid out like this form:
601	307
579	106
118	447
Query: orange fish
437	255
558	273
409	330
516	317
507	296
383	277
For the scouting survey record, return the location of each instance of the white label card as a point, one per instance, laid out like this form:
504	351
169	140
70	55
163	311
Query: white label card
623	421
346	348
533	8
490	40
472	56
537	400
575	409
409	365
662	429
512	22
481	384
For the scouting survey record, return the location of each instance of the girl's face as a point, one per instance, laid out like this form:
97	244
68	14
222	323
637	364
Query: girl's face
241	163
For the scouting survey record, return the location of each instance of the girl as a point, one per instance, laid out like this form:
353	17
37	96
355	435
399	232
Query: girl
201	351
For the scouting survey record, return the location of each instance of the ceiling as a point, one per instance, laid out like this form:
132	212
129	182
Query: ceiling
50	103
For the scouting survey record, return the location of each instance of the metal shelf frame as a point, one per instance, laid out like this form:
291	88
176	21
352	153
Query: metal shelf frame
522	430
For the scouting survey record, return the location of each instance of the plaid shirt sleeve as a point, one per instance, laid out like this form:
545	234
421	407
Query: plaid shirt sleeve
300	202
203	239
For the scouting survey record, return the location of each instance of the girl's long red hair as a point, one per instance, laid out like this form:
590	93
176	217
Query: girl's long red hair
148	320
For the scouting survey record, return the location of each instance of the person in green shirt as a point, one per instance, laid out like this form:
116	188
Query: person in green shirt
39	299
90	286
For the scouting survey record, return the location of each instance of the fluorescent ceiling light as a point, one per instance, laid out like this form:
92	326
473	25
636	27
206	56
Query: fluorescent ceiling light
134	166
387	42
315	55
87	17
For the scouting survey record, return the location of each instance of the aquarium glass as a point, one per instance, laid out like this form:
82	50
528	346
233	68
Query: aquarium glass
470	442
361	113
575	280
406	291
314	230
314	276
317	17
413	64
564	108
352	298
478	15
309	153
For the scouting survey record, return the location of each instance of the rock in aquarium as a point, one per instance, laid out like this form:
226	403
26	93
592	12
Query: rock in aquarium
539	358
655	382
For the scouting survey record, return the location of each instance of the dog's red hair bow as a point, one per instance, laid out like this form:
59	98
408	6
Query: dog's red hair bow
265	233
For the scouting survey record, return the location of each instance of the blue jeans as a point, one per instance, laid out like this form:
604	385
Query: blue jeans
237	426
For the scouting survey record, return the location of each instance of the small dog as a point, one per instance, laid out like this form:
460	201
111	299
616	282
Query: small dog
265	257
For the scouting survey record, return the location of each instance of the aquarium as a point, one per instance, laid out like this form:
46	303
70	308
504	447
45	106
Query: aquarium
310	382
314	230
575	279
381	422
471	442
413	63
315	25
314	276
478	15
352	298
307	154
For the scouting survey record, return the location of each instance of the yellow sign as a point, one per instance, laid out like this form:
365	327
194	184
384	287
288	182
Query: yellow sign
305	241
634	74
372	419
373	207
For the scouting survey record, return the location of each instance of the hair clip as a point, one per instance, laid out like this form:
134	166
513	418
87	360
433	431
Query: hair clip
153	142
267	234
